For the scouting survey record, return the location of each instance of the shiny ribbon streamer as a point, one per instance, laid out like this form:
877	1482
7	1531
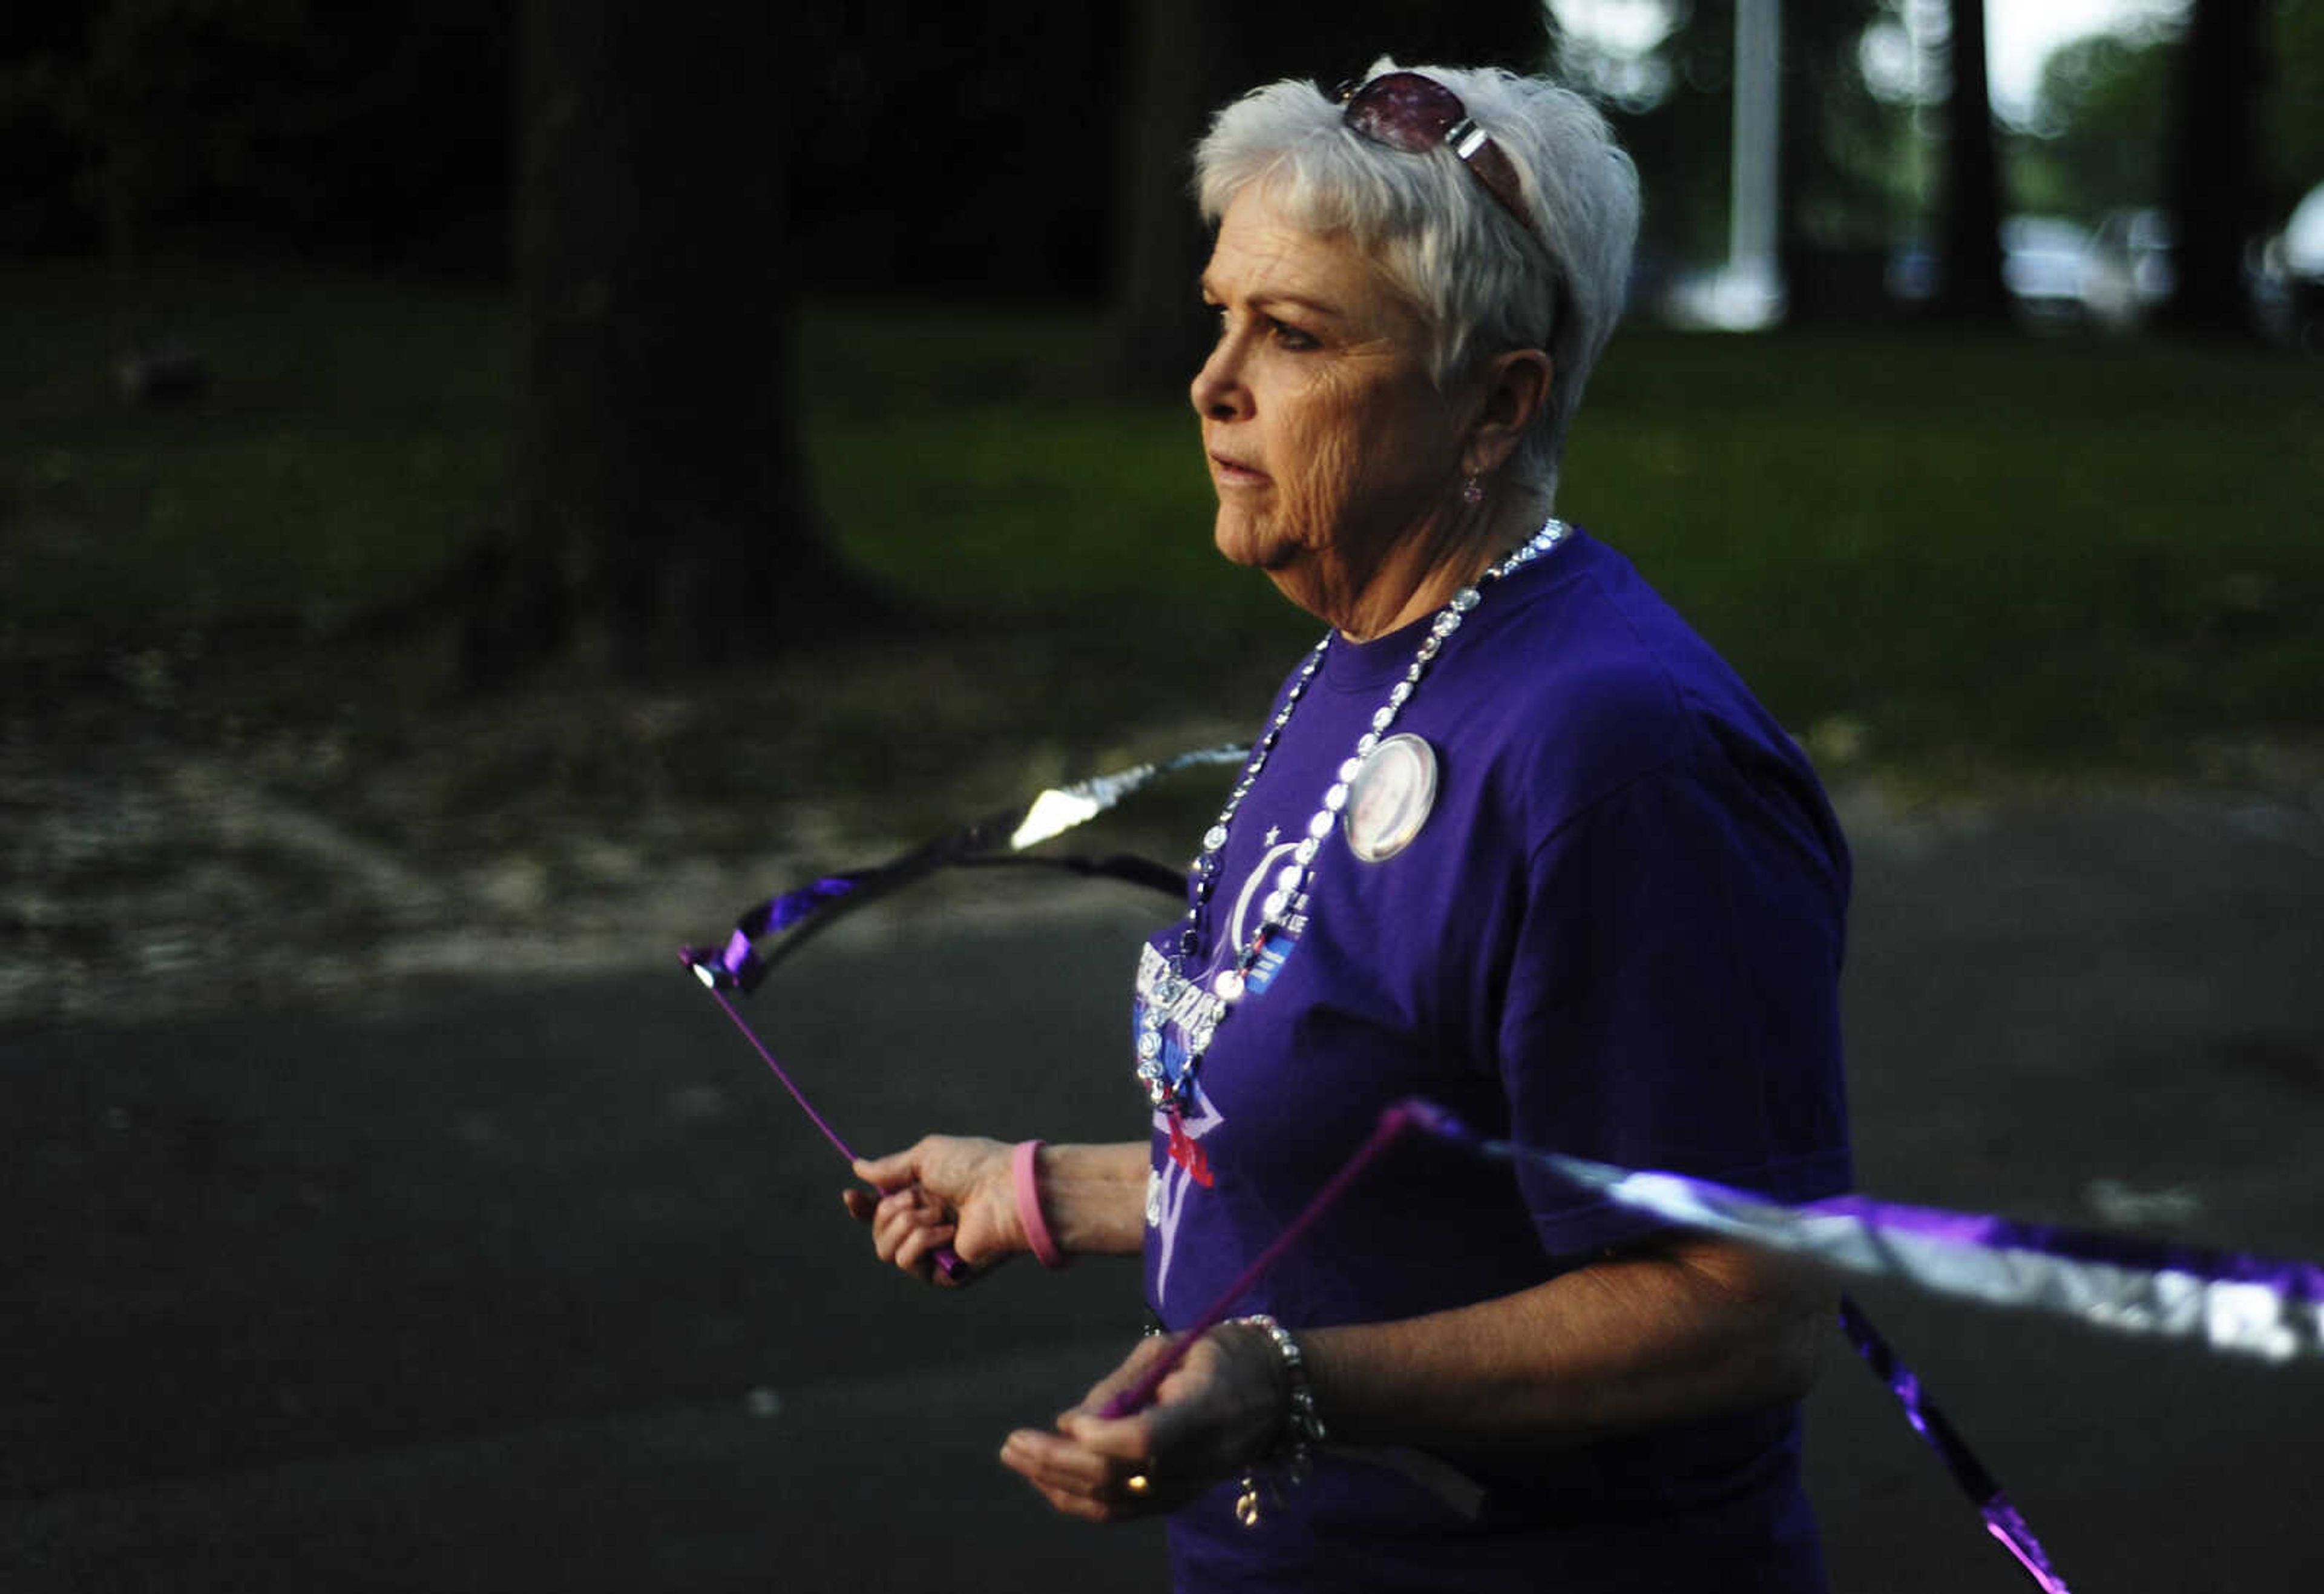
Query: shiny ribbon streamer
777	928
2231	1302
2002	1519
1696	1204
798	913
2234	1303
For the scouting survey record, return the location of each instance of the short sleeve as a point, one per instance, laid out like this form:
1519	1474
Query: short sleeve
1672	1001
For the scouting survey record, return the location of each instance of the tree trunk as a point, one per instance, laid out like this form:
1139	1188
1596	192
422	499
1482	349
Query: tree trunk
1971	290
2214	169
1178	74
661	514
1823	285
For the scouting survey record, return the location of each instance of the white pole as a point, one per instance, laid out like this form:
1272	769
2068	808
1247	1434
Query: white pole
1751	261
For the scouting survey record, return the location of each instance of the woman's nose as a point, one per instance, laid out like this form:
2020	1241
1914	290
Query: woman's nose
1218	390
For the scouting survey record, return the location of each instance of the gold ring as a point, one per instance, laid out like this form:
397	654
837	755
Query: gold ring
1138	1482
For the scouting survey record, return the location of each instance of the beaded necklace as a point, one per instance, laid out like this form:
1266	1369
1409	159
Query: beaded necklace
1174	995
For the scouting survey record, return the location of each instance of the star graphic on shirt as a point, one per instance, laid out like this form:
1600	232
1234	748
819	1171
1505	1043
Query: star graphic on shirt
1273	832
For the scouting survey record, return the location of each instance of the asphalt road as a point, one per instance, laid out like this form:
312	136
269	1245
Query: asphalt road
546	1286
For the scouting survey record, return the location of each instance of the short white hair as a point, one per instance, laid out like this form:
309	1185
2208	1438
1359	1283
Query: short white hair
1485	282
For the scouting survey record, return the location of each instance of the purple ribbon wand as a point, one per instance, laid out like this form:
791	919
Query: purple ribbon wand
774	928
948	1262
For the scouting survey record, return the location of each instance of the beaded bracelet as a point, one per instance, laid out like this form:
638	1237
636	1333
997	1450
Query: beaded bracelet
1303	1429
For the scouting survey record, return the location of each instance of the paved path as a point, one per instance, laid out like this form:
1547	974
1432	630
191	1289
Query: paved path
545	1286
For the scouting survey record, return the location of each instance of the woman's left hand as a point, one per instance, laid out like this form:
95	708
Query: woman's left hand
1220	1409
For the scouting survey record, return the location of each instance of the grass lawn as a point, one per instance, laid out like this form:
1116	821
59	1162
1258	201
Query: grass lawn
1945	558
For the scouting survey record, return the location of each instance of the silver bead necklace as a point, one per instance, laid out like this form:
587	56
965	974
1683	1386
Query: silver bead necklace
1210	1008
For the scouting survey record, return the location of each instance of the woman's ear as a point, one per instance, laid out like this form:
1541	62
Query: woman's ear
1514	391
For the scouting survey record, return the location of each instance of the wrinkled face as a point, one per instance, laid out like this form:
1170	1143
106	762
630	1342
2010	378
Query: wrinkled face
1328	443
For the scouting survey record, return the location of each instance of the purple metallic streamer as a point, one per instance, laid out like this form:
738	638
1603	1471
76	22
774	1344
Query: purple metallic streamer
2231	1300
738	960
787	921
2001	1517
2002	1521
739	966
2294	1281
1700	1202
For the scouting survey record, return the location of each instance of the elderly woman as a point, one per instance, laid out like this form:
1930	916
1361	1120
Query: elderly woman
1512	839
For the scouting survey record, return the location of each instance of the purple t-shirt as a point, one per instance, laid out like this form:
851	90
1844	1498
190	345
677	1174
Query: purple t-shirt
1617	933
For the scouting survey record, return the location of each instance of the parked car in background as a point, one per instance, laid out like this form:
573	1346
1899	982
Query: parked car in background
2295	260
2117	277
2045	264
1913	274
2132	268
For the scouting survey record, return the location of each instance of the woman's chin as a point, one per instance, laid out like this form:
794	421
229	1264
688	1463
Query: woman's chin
1238	540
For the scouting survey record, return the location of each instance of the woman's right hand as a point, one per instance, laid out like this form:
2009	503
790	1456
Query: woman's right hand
947	1190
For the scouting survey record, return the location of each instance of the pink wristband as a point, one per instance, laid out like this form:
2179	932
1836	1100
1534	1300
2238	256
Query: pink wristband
1028	1206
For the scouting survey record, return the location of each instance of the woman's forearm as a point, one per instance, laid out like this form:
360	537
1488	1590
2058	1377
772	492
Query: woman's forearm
1692	1327
1094	1195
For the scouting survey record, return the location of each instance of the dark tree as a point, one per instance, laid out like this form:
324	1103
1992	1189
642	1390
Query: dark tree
2214	166
1679	136
1188	58
660	512
1180	72
958	149
1832	226
153	128
1970	222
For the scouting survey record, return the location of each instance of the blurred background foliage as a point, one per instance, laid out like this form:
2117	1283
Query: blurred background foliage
284	407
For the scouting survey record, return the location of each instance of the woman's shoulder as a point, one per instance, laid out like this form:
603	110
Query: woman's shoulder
1591	682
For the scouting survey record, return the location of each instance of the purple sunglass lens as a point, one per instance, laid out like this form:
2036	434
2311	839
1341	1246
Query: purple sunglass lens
1411	113
1404	110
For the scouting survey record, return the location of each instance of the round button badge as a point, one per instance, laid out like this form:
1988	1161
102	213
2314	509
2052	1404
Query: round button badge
1389	798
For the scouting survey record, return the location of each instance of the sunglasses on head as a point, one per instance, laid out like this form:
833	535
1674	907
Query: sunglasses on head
1407	112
